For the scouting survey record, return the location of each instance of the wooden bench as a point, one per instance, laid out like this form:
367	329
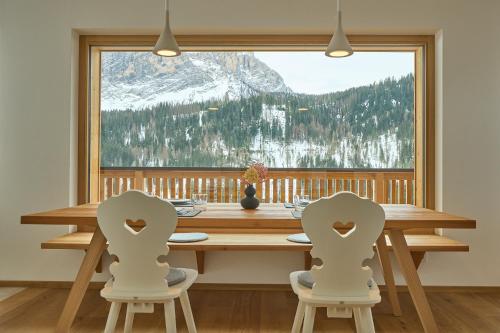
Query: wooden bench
418	245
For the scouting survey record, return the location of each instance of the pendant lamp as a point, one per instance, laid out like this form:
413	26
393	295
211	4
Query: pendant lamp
339	44
166	46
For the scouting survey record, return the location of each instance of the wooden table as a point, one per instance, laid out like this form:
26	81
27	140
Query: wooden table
269	218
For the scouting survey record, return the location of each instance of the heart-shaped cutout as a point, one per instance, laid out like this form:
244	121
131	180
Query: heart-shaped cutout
135	227
344	229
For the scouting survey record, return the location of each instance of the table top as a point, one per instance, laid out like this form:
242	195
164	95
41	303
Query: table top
267	218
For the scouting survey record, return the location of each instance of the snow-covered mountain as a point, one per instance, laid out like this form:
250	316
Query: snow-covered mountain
137	80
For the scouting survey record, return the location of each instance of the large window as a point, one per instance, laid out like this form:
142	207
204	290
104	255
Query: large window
288	109
230	100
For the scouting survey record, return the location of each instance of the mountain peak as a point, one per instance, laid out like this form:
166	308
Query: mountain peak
137	80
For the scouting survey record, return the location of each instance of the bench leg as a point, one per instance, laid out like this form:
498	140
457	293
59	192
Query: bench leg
385	262
409	271
200	261
89	263
307	260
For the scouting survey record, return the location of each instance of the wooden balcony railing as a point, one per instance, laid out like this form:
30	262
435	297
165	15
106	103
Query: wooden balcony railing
223	185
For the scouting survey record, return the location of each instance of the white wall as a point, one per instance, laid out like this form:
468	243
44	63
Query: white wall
37	117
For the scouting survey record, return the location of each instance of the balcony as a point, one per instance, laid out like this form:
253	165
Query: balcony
224	185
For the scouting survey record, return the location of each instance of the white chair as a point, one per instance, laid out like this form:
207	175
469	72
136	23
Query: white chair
341	283
139	275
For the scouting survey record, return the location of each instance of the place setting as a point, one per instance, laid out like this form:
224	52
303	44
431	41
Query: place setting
190	207
198	204
300	202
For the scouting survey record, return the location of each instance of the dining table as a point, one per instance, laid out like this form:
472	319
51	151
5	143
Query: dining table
270	218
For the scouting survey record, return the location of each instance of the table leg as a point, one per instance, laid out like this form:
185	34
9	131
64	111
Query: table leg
412	280
385	262
89	263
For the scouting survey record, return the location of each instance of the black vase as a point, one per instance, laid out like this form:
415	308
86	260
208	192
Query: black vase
250	201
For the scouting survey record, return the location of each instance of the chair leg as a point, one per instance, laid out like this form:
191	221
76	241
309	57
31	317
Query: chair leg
299	317
188	314
367	319
309	318
364	320
129	319
169	308
112	317
358	320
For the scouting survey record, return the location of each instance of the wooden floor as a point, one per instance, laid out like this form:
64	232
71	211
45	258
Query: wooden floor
36	310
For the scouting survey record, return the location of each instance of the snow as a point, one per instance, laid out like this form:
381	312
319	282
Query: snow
282	155
286	155
270	113
200	117
142	133
139	102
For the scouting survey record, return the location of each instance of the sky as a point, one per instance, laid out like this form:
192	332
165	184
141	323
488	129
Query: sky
314	73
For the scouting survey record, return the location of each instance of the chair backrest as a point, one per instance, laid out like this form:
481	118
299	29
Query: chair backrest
342	254
137	269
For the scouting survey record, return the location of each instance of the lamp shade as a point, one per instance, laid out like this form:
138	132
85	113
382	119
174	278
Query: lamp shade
166	46
339	44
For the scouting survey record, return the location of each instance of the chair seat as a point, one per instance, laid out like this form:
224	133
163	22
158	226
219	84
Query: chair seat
188	237
174	291
299	238
175	276
305	294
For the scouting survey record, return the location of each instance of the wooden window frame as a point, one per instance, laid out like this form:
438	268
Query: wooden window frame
89	82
